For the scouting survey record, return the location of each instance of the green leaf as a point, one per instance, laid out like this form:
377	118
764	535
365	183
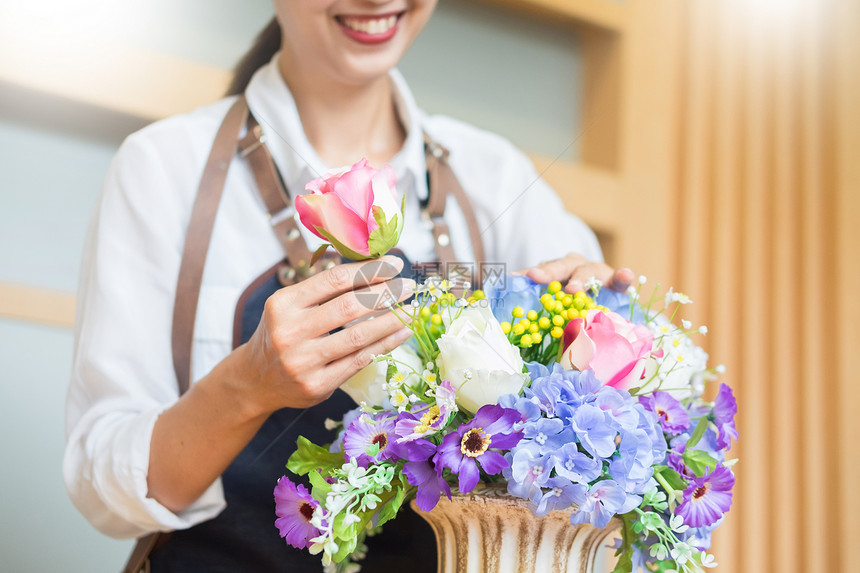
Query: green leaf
309	456
699	462
671	477
698	432
390	509
320	487
625	552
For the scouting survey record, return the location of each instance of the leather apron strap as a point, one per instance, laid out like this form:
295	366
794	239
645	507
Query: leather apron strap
282	214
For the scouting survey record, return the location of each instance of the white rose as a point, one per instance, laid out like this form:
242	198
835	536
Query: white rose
366	385
477	359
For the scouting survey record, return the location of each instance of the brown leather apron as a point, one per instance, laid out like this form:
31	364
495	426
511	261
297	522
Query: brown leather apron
243	536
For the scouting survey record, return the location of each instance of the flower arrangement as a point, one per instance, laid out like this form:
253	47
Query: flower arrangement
592	401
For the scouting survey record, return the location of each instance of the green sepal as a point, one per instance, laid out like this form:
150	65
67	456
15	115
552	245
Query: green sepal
341	248
309	456
698	432
318	254
699	462
625	551
384	238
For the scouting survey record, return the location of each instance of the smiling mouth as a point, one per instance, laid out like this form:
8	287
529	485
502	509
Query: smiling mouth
370	29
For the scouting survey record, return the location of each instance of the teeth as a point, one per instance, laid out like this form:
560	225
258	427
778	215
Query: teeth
378	26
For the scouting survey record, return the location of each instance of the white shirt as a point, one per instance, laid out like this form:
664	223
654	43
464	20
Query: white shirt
122	375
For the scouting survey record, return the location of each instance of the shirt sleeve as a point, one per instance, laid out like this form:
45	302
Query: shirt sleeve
122	374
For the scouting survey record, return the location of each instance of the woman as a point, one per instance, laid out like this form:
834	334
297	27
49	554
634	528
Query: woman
140	458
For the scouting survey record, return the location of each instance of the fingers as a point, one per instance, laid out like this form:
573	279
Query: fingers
343	368
574	272
360	336
358	304
339	279
555	270
621	280
584	272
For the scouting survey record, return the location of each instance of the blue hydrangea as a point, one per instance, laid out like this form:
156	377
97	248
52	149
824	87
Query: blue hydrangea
583	443
506	293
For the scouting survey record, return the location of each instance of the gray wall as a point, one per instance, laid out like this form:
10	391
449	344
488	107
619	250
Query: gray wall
503	74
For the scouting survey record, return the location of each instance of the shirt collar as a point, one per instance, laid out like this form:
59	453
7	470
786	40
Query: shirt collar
273	105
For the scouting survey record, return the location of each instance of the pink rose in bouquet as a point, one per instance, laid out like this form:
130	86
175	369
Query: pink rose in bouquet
355	209
614	348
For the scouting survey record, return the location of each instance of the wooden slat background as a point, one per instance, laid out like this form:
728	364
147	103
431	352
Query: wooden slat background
767	227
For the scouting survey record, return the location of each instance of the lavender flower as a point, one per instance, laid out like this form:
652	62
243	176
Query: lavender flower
367	433
430	484
492	427
707	498
725	408
671	413
294	507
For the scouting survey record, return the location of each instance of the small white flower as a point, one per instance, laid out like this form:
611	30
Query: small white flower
330	424
350	518
593	284
643	279
659	551
707	560
720	369
399	400
703	329
687	324
681	553
676	522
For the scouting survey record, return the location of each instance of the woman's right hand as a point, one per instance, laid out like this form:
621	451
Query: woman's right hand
295	360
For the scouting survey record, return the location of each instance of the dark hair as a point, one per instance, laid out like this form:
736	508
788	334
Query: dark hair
268	42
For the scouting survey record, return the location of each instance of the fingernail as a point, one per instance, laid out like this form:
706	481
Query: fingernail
403	335
393	261
576	286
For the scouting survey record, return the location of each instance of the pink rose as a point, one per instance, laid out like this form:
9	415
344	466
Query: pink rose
614	348
355	209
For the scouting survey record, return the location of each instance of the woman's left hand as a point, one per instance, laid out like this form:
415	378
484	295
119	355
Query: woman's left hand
573	271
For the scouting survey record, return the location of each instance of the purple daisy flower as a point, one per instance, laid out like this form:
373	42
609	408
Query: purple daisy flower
364	434
295	507
671	413
707	498
430	485
462	449
725	408
429	419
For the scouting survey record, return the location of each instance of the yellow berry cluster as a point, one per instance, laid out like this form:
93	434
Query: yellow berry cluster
531	328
